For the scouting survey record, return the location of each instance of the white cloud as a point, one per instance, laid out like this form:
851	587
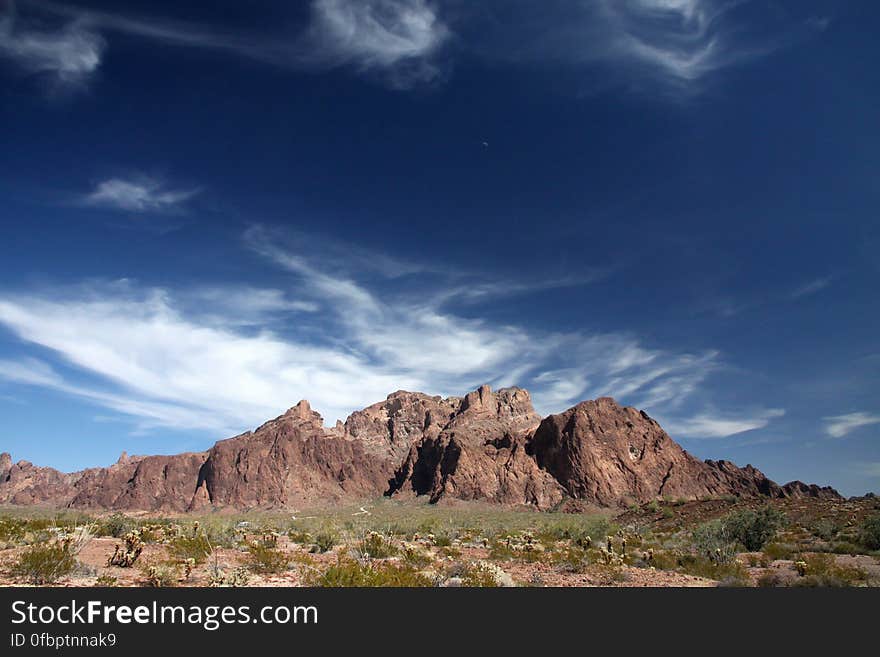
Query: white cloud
682	39
396	38
142	194
713	425
812	287
186	358
69	53
838	426
379	34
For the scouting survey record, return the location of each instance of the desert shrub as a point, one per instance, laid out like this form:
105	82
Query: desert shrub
194	545
235	578
480	576
45	563
653	506
324	541
845	547
415	556
869	533
824	529
12	530
754	529
668	512
823	570
264	557
300	536
572	559
770	578
729	572
758	560
374	545
351	573
162	575
106	580
115	525
714	542
775	551
443	539
664	560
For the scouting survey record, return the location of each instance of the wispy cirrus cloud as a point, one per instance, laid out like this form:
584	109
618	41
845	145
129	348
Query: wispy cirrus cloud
682	39
140	194
398	36
812	287
182	358
721	425
839	426
398	40
672	46
68	52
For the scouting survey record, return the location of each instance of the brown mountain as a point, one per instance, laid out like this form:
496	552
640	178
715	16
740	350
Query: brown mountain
486	445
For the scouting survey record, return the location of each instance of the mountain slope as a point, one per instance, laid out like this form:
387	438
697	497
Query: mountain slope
487	445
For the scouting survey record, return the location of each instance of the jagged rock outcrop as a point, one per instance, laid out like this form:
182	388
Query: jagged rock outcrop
609	454
289	461
487	445
800	489
480	455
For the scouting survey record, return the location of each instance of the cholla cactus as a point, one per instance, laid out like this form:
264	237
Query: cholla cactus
648	556
125	555
801	567
493	573
236	578
609	544
188	566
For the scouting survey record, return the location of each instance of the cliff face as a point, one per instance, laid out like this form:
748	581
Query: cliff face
287	462
486	445
480	454
610	454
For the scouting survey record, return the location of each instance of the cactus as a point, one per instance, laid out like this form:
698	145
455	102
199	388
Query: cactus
125	555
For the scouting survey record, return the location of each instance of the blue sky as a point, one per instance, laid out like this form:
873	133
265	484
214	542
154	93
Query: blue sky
209	214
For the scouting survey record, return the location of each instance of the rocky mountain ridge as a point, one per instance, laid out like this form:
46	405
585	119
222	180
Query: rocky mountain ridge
489	446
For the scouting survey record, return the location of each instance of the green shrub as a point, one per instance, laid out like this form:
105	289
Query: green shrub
194	545
162	575
264	557
754	529
299	536
45	563
729	572
377	546
653	506
713	542
352	573
324	541
869	533
823	570
115	525
106	580
776	551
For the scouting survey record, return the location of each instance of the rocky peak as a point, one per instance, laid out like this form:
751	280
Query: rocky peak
5	465
488	445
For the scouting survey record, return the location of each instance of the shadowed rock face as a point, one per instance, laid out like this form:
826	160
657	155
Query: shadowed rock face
487	445
480	455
